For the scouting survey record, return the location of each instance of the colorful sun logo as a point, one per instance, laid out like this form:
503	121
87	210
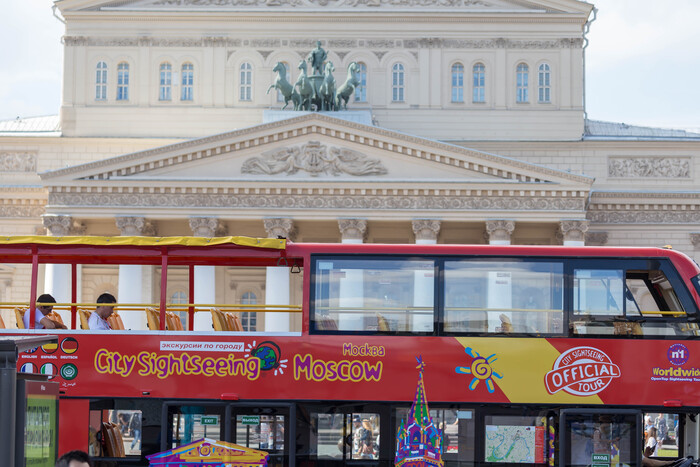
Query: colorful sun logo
270	356
480	368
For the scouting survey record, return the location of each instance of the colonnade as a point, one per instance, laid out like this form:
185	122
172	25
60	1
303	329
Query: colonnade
134	279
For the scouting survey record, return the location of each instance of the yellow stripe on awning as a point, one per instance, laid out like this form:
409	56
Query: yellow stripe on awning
273	243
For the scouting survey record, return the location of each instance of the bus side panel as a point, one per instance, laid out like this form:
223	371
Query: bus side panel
73	425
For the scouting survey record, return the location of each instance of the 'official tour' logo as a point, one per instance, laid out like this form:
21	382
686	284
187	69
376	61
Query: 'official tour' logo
581	371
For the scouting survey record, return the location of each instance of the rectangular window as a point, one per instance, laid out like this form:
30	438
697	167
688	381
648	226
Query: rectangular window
374	295
456	427
121	430
593	437
503	297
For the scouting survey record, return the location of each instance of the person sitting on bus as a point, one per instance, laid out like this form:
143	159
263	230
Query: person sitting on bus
41	319
98	319
651	447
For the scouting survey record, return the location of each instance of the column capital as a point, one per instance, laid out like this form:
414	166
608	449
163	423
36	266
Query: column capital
695	239
499	230
596	238
135	226
426	229
207	227
573	230
62	225
280	227
353	229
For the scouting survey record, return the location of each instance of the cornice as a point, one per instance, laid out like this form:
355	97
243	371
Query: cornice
637	195
316	124
278	200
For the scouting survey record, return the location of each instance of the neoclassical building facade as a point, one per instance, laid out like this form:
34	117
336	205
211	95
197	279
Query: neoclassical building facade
469	127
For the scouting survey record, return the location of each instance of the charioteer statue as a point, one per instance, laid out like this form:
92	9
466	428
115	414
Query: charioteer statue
318	91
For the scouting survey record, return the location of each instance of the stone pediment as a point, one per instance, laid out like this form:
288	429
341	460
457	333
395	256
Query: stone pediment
311	149
551	6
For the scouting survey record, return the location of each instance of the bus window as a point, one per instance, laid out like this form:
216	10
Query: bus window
503	297
597	438
190	423
374	295
457	428
666	425
346	435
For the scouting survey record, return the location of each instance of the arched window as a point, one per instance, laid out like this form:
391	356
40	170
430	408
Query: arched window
123	81
522	73
288	77
246	82
397	82
186	89
457	82
478	83
101	81
544	84
249	319
166	82
178	297
361	90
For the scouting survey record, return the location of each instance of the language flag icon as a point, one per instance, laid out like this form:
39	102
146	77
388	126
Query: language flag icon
28	368
49	369
69	345
50	348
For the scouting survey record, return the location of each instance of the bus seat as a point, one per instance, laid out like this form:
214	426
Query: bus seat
153	319
627	328
382	323
19	315
115	321
230	324
237	326
112	438
173	321
2	323
55	317
218	320
84	318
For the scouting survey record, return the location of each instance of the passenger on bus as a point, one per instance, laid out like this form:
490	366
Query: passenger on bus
98	319
651	447
74	459
41	319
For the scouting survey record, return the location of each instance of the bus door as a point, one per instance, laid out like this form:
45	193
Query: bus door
185	422
266	427
600	437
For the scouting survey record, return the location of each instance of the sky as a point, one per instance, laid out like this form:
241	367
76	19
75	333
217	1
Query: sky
642	62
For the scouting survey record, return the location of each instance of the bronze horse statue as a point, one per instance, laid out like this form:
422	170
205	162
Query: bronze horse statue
307	91
342	95
327	90
286	89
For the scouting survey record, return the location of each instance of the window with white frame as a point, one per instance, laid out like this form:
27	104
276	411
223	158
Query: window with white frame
123	81
544	85
361	90
166	82
397	82
288	77
457	82
479	82
187	82
246	82
248	318
522	75
101	81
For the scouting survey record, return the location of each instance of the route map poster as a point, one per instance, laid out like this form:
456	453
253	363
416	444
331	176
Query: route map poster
514	444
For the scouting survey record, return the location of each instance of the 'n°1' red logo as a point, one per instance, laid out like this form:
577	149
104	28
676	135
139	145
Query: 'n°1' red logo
581	371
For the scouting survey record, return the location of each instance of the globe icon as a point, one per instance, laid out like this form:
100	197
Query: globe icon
267	355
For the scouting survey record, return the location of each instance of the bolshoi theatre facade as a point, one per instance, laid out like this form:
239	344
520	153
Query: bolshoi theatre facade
468	126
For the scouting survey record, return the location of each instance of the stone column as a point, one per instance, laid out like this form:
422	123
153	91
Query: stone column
131	276
499	231
277	277
426	232
204	276
57	276
351	293
573	231
499	291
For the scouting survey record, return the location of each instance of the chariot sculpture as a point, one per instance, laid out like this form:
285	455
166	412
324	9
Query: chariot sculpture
318	91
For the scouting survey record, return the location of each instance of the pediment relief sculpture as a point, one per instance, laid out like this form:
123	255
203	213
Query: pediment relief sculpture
478	4
315	159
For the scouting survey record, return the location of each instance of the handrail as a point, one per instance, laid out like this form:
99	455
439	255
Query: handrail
199	308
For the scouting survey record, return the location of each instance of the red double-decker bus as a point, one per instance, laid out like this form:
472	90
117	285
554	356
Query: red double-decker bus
543	355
